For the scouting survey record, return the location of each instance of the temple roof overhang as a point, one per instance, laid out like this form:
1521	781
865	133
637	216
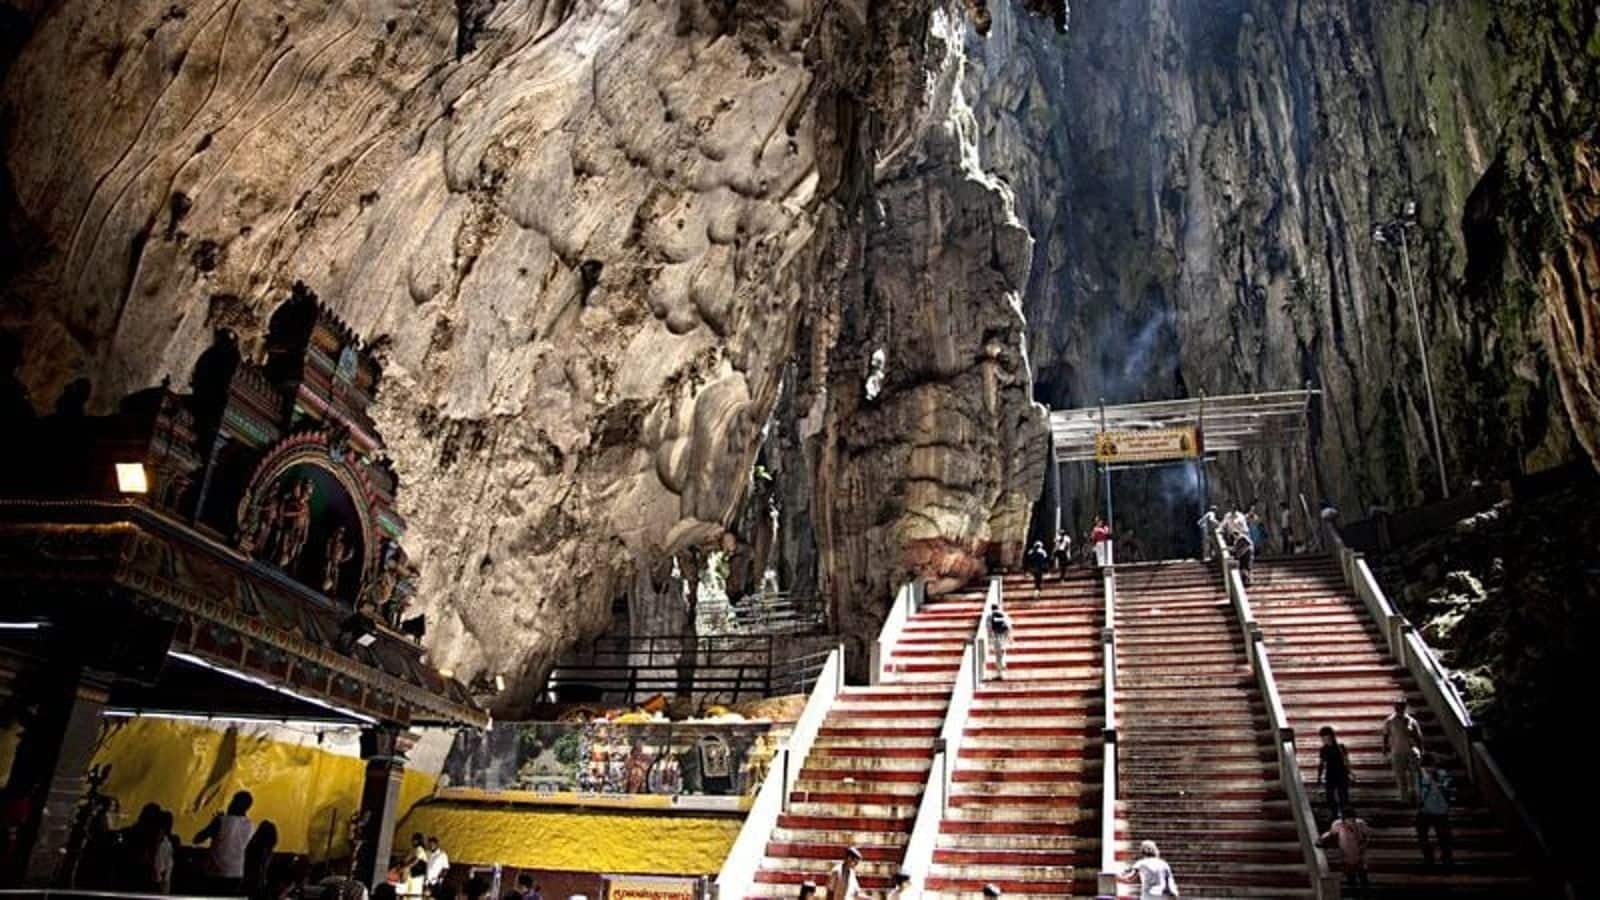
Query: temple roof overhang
123	580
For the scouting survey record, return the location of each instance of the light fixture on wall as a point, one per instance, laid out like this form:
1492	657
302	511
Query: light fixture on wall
131	478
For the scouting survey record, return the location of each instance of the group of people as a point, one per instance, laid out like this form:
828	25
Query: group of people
1420	781
143	857
1244	531
1038	560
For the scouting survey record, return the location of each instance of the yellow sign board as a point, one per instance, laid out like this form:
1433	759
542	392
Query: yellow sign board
1146	445
632	887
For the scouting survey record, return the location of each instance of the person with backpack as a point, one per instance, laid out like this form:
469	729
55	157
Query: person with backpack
999	628
1036	562
1433	809
1151	873
1352	834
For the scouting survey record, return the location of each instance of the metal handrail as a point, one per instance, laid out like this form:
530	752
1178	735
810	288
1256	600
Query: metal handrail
749	848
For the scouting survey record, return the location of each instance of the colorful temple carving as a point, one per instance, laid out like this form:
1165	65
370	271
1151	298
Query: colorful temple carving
233	550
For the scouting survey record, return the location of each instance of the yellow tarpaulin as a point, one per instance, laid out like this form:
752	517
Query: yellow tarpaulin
193	769
578	841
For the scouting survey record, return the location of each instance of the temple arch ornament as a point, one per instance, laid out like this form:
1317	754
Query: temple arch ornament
311	510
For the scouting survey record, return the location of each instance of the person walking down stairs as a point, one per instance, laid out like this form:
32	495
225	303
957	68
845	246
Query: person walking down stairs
1433	809
1036	562
1151	873
1333	771
1351	834
842	881
1402	743
999	628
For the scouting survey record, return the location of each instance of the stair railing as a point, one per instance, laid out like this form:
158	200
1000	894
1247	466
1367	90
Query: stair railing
1325	884
1408	648
907	601
1109	870
738	872
918	859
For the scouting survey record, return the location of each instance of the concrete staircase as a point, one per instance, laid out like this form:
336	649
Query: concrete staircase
1198	771
1023	812
1333	668
866	771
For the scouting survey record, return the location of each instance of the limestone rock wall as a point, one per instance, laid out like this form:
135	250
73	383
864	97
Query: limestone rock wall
587	236
1201	182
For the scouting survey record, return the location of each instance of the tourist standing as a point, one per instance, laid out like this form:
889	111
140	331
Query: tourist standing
258	857
416	867
1257	528
1333	771
1035	562
1208	525
1151	873
999	628
1352	834
1402	743
229	834
842	881
1433	809
1063	553
1100	536
1286	529
439	866
1329	517
166	852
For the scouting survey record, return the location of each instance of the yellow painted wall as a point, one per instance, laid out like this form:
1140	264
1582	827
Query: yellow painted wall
193	769
577	841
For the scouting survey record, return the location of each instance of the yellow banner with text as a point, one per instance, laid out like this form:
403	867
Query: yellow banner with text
1147	445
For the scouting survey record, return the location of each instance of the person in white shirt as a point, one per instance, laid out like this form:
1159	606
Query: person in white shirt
229	834
1151	873
842	881
438	865
1402	743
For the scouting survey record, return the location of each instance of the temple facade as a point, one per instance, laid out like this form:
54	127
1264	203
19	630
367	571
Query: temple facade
234	552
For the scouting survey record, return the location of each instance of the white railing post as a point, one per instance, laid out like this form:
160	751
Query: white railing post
918	858
1324	883
1107	878
749	848
906	602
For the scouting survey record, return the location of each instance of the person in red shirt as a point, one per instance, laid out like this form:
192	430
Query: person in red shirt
1101	538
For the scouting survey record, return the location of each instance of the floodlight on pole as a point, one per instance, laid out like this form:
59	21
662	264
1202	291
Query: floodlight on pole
1391	234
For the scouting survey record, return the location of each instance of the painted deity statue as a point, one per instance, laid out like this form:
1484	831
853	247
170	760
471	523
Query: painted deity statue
340	551
294	524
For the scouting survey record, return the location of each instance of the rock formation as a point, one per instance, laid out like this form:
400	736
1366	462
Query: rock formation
611	251
584	234
1202	182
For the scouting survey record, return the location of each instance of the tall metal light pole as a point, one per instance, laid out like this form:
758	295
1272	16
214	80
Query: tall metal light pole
1390	234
